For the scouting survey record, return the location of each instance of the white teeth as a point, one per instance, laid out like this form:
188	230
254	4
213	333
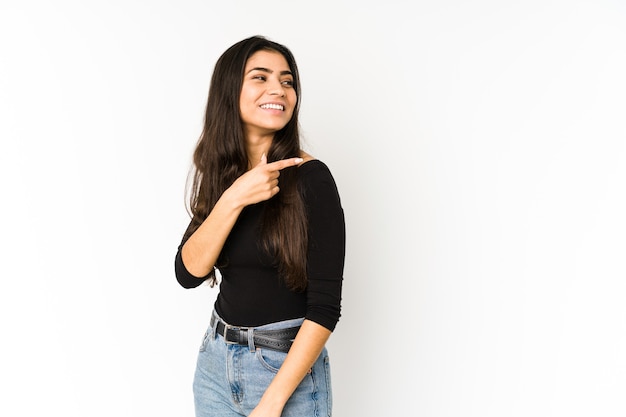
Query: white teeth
272	106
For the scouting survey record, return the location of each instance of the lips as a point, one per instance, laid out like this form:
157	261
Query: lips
273	106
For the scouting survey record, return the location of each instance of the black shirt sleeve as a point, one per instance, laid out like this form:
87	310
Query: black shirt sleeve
183	276
326	246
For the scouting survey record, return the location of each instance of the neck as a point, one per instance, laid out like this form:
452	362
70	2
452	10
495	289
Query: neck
256	146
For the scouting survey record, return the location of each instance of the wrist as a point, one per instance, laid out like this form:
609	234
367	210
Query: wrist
273	401
230	200
270	407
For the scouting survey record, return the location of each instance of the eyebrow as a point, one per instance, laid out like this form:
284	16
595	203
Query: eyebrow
269	71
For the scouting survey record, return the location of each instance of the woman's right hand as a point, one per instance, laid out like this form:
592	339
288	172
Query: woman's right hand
260	183
203	247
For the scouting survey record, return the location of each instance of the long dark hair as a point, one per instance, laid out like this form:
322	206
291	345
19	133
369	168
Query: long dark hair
220	158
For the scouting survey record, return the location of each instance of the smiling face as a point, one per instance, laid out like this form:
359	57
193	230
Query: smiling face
267	99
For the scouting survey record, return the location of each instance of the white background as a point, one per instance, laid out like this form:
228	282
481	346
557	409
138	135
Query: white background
480	152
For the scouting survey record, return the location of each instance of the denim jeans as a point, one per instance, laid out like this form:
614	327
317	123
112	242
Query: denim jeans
231	379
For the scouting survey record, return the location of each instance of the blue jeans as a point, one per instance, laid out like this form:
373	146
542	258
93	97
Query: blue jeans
231	379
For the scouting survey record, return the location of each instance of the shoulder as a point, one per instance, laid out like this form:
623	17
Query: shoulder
316	181
311	165
312	169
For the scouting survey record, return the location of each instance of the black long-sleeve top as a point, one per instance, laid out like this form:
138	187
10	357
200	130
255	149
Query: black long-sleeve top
251	291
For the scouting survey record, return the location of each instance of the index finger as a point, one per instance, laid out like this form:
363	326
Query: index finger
284	163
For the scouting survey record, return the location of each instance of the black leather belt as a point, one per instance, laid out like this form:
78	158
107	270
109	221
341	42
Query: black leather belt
279	339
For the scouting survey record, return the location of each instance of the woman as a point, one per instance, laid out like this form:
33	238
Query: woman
267	217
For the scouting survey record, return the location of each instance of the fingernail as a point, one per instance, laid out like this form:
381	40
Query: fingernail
298	160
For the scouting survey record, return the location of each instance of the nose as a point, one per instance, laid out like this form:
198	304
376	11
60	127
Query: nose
276	89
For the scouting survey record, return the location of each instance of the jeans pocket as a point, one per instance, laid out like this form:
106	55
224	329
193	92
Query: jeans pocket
271	360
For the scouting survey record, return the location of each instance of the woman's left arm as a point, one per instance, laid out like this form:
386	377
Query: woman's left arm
305	350
325	261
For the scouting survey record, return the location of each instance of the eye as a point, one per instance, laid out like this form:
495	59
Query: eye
259	77
288	83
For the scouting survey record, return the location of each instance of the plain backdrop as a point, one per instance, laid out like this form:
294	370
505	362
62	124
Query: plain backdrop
479	148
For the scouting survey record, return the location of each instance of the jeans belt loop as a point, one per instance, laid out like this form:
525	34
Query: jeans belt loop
214	328
251	345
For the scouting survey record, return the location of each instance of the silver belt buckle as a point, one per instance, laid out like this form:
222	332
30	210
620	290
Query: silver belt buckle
228	327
